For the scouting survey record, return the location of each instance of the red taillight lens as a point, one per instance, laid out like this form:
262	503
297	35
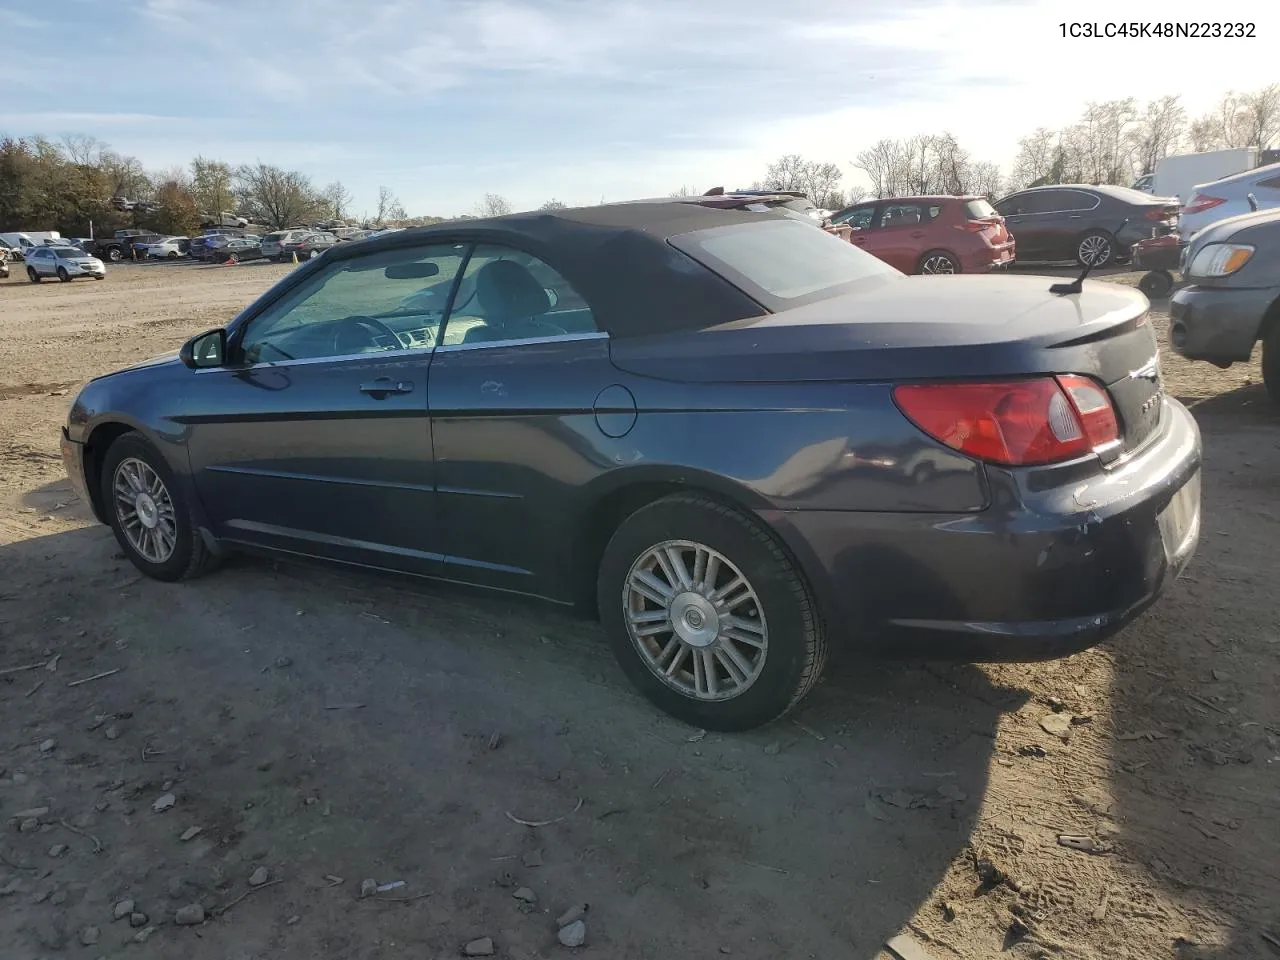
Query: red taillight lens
1202	202
1018	422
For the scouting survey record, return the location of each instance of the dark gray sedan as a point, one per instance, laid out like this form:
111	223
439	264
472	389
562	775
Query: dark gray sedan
735	438
1232	297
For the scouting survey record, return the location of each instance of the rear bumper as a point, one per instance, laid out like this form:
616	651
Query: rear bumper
987	259
1219	324
1051	572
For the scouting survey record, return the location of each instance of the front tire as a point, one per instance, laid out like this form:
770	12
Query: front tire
937	262
1095	247
32	275
1271	362
63	275
148	513
1156	284
115	255
708	616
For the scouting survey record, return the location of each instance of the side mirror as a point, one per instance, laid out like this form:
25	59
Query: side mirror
206	350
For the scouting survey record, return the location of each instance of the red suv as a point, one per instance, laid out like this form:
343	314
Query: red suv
931	234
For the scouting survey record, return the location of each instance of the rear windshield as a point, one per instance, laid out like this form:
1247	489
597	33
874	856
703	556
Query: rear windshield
275	236
979	210
783	263
67	252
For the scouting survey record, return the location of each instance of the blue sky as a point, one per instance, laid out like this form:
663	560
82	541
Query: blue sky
445	100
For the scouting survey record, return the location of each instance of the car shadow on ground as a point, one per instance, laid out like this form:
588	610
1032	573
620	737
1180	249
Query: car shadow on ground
1196	722
337	723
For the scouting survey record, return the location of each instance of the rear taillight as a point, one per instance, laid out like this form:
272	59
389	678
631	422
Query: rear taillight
1202	202
1161	213
977	226
1016	422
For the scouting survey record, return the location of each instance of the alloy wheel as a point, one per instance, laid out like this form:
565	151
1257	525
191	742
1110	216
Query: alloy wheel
938	263
696	620
145	510
1095	249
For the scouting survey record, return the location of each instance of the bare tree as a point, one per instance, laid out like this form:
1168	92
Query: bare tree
389	207
1035	158
854	195
1158	132
985	179
81	148
275	197
1256	122
787	173
554	204
1103	142
684	191
493	205
1202	134
338	199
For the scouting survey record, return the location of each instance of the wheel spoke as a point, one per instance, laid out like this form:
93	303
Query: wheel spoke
734	663
675	558
682	652
709	673
711	573
650	587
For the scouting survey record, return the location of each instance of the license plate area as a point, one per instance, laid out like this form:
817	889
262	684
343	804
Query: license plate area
1179	521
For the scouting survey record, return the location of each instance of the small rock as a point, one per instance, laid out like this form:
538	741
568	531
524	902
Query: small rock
725	950
479	948
506	879
495	740
189	916
142	936
294	920
576	912
138	919
58	849
31	813
282	662
1057	724
89	936
58	898
368	888
1032	750
259	877
48	745
532	859
28	825
190	833
112	732
1221	675
164	802
773	749
574	935
167	786
949	911
525	895
102	805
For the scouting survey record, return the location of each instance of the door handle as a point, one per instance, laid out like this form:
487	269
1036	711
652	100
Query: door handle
1075	216
385	385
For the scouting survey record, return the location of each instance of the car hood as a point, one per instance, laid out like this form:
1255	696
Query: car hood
903	328
163	359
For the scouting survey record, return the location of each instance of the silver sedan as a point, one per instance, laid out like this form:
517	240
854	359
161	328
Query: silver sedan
65	263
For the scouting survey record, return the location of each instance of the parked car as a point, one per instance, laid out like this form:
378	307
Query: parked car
65	263
121	246
931	235
1084	223
216	247
4	266
716	443
273	243
1212	202
308	245
241	248
1232	296
196	247
169	248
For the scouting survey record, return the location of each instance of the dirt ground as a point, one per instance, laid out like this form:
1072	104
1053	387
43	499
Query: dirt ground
332	727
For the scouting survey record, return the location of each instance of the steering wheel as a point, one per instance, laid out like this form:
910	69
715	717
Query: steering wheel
367	329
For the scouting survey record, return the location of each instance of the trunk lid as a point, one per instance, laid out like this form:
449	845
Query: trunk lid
930	328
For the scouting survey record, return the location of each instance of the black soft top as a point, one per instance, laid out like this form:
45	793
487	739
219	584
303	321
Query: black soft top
616	256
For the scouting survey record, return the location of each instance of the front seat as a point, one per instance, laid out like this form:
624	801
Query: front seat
512	303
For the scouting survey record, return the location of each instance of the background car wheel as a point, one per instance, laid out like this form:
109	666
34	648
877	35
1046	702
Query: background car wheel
1156	284
114	255
63	275
938	262
708	616
173	254
32	275
148	514
1095	247
313	254
1271	362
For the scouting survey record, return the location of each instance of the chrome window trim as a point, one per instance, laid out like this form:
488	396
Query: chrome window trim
525	341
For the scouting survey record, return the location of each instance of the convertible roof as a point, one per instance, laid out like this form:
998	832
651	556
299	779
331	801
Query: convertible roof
616	256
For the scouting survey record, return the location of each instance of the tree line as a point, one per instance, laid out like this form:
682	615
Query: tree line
69	183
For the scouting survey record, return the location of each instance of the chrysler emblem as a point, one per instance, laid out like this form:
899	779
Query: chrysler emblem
1148	371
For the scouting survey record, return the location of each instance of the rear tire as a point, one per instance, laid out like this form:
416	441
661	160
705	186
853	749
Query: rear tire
186	556
937	262
713	673
32	275
1271	361
1095	247
1156	284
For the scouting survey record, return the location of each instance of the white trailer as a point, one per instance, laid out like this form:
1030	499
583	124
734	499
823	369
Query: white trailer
1177	176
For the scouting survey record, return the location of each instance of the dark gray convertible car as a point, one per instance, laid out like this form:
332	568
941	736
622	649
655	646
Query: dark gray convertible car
736	438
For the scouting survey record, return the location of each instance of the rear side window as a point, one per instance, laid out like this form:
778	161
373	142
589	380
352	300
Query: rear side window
979	210
783	263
